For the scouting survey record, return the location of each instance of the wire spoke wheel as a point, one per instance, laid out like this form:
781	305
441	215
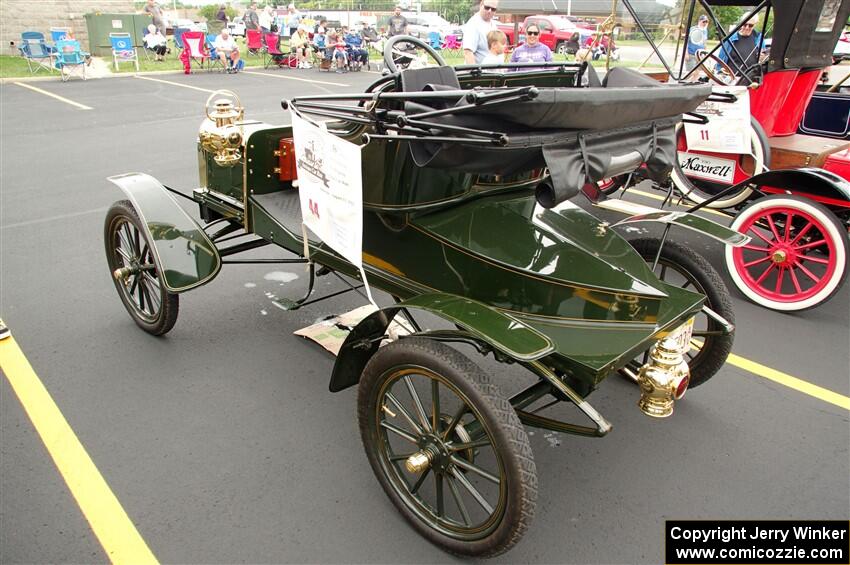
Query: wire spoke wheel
797	257
446	447
131	261
681	267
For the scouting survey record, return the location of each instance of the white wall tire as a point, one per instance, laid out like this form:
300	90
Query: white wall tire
761	155
787	269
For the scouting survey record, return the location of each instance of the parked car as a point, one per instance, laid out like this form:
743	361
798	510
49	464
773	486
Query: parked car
555	31
237	26
420	25
186	23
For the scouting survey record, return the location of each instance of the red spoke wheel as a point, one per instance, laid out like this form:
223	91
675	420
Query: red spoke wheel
797	258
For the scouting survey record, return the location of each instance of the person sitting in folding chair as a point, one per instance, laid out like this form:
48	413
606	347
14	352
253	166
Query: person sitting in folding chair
336	45
299	42
155	41
227	51
358	56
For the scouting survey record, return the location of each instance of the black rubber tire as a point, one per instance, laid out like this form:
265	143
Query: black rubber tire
561	48
497	414
158	322
712	356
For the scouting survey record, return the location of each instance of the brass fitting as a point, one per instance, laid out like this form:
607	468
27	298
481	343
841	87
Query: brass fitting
664	379
419	461
122	273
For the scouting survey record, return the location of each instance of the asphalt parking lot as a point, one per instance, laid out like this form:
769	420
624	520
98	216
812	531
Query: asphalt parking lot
221	442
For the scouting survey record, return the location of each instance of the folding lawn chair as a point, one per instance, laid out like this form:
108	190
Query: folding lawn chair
70	59
253	41
123	49
59	33
194	46
273	56
452	45
178	37
34	49
214	61
434	40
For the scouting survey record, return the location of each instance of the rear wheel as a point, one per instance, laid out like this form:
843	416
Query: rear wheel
130	256
797	258
698	188
447	447
686	269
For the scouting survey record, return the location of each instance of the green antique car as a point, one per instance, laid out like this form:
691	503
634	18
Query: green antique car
467	176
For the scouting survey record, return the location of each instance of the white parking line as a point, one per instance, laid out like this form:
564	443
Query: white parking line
293	78
175	84
56	96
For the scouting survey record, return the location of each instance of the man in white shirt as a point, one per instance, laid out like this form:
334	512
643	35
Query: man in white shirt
475	32
226	49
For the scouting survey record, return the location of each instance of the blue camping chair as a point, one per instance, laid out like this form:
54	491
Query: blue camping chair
178	36
59	33
35	50
434	40
214	60
123	49
70	58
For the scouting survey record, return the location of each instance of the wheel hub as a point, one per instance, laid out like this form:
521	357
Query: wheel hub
434	452
780	256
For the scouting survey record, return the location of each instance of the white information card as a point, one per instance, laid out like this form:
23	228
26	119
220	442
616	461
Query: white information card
728	127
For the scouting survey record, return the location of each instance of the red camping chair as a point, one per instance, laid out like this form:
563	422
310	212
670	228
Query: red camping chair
194	49
253	40
452	45
274	56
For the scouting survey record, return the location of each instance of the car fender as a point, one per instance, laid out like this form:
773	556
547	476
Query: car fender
640	213
183	253
483	323
808	181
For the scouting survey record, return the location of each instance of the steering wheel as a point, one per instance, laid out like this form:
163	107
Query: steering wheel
725	76
396	57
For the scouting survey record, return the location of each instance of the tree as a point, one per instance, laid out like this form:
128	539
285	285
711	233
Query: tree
209	11
457	11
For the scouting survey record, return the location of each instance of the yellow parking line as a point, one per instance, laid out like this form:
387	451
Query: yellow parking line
56	96
175	83
791	382
109	522
658	197
278	75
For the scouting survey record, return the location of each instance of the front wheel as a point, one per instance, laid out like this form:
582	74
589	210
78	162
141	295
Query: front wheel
797	258
561	48
447	447
130	256
680	266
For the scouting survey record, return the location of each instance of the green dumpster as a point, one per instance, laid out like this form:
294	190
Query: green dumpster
100	25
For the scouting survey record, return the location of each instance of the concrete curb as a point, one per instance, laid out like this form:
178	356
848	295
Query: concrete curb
54	77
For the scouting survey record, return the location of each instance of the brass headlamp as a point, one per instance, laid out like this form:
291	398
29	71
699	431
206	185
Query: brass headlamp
219	133
665	377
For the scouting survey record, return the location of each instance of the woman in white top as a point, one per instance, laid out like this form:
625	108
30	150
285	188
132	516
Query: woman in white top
155	41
